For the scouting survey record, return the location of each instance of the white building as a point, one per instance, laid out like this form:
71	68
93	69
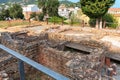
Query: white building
64	11
76	10
27	10
31	8
115	12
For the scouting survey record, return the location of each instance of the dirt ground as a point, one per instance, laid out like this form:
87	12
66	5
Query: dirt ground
111	36
102	35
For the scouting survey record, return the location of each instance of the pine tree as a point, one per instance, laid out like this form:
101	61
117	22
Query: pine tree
96	9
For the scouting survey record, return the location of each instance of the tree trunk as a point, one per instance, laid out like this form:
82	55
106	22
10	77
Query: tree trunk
100	27
104	24
97	23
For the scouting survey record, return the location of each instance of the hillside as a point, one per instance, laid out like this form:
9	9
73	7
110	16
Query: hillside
32	1
6	1
67	3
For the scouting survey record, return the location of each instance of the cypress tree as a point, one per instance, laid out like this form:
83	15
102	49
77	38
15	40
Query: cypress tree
96	9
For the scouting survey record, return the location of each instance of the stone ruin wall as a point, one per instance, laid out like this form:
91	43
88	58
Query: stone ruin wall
20	46
66	62
58	37
54	59
69	64
22	43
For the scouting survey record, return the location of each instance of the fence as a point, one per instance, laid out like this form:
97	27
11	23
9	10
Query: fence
32	63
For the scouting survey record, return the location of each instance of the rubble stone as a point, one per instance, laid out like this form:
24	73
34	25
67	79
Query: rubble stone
47	49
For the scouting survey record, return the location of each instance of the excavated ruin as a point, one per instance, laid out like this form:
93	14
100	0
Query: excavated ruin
81	60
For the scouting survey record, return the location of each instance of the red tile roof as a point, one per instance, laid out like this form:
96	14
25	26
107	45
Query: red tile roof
114	9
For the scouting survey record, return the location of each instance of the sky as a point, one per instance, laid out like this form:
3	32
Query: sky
116	5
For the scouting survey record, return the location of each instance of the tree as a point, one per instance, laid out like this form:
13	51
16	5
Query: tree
49	7
40	16
16	11
109	20
4	14
96	9
34	16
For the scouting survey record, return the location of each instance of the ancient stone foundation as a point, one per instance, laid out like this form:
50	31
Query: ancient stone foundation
49	50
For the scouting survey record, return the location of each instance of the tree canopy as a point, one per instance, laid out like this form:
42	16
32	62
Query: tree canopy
16	11
96	8
109	21
13	11
4	14
49	7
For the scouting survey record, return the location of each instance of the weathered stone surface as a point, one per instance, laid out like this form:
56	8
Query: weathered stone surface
47	50
3	75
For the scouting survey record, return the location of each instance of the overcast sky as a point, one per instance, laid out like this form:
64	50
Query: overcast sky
117	3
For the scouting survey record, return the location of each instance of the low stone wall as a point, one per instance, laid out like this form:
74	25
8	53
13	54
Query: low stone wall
54	59
26	45
73	65
20	46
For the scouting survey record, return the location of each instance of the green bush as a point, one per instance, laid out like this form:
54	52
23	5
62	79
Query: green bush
33	15
75	21
55	19
41	16
110	21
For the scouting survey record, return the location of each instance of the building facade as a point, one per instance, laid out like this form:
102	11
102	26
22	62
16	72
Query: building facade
29	9
115	12
63	11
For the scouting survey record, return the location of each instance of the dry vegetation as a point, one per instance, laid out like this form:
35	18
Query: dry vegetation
6	24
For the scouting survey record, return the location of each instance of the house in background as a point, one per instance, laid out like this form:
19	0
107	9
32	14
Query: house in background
64	11
115	12
29	9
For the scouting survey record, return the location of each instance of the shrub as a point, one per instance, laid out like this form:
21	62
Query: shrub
110	21
41	16
55	19
33	15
